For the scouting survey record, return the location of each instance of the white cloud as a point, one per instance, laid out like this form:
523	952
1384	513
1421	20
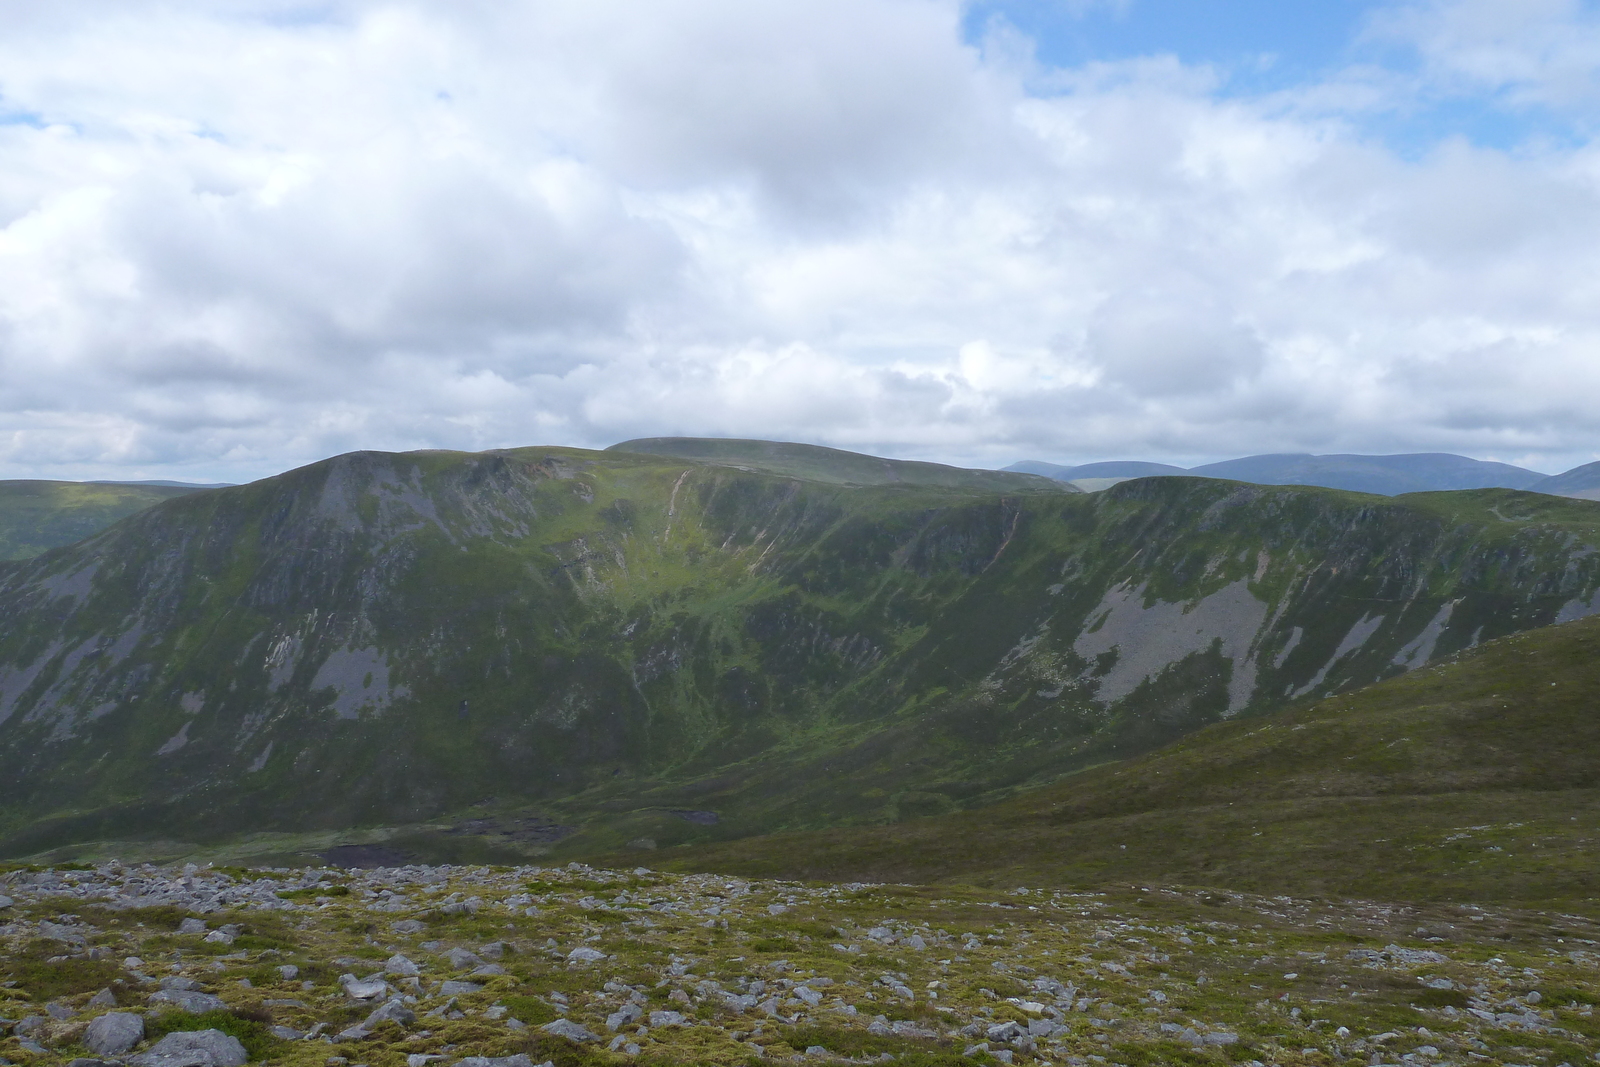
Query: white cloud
1534	52
235	237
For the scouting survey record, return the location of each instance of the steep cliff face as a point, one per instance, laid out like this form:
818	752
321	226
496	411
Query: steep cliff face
380	638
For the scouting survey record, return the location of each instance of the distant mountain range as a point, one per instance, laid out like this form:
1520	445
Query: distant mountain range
1420	472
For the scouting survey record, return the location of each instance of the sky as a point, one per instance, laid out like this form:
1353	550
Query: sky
239	236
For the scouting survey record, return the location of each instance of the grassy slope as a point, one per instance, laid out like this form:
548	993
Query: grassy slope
36	516
1474	779
836	466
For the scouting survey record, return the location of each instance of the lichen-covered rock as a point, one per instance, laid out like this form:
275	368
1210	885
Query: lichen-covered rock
194	1048
114	1034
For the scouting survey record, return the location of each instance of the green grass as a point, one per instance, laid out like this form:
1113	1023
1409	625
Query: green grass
253	1033
36	516
1475	779
36	971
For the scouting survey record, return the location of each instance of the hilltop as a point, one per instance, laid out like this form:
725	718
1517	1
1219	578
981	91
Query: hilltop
834	466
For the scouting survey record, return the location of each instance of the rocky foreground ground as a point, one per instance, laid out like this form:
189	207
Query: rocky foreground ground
161	967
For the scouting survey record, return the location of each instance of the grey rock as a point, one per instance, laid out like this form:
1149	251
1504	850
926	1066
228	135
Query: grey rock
363	988
809	995
192	926
190	1001
288	972
494	950
103	999
59	1012
570	1030
451	989
30	1024
30	1045
1413	956
915	942
460	959
401	967
59	932
114	1034
521	1059
666	1018
219	937
194	1048
284	1033
488	970
1220	1037
623	1016
5	901
408	926
393	1011
86	1061
284	1002
585	954
177	981
1006	1031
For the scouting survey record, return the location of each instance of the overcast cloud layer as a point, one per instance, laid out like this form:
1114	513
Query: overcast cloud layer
236	237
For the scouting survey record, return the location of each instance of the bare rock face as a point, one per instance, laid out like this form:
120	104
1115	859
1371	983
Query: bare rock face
114	1034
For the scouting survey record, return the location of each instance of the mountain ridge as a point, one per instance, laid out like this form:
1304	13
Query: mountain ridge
382	638
1392	475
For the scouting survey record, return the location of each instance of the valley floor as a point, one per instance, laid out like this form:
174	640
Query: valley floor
578	965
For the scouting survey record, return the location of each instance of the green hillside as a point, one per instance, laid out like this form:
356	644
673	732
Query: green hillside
1476	779
642	646
835	466
36	516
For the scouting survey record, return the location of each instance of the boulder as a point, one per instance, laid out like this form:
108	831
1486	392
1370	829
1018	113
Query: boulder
570	1030
192	926
460	959
393	1011
623	1016
114	1034
187	1000
401	967
451	989
363	988
194	1048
